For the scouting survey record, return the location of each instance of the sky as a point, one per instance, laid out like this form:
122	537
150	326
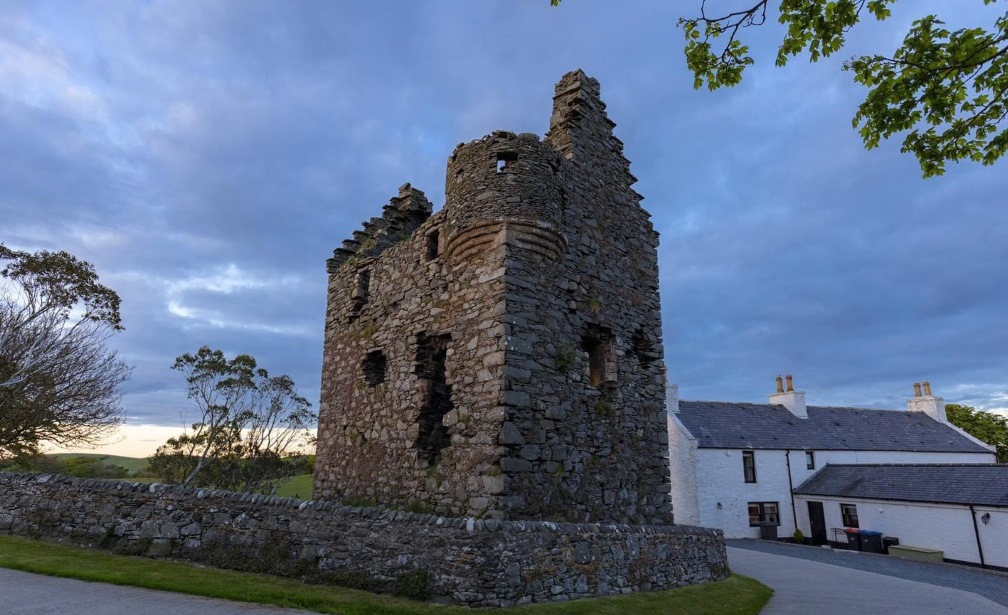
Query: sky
207	157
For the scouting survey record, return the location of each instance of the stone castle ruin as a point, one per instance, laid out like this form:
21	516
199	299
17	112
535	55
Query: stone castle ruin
489	370
502	358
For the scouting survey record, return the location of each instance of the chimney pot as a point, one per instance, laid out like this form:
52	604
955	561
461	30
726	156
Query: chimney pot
780	384
791	399
928	404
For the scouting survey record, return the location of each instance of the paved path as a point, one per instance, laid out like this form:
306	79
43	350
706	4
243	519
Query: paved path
805	584
22	593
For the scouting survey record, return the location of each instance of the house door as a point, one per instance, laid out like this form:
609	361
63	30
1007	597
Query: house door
818	522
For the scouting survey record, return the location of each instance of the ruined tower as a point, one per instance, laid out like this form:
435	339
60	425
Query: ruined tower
502	358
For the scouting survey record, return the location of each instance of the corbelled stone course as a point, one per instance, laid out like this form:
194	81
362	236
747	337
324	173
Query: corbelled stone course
477	562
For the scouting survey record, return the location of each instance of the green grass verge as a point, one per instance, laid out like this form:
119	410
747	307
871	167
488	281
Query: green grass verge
737	596
299	486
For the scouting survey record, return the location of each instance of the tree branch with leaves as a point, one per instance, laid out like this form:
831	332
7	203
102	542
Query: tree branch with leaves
984	426
943	90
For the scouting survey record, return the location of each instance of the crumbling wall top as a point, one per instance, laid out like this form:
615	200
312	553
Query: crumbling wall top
581	130
400	218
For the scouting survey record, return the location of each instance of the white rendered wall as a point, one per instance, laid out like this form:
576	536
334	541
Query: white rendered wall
683	471
948	528
719	479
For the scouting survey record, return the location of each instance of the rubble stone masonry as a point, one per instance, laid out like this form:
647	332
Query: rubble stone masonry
465	561
502	358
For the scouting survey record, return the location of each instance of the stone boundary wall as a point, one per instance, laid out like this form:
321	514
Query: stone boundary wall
472	562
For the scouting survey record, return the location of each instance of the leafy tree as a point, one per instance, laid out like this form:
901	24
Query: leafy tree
986	426
250	427
945	90
58	381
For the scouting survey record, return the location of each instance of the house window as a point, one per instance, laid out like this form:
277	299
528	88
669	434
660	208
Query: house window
810	460
749	466
848	512
761	513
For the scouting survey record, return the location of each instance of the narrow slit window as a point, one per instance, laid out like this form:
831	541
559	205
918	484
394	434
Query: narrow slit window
810	460
359	294
363	285
596	343
432	245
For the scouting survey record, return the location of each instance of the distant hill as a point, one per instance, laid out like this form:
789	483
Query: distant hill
130	464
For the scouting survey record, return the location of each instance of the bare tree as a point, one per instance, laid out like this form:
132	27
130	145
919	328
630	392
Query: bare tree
58	380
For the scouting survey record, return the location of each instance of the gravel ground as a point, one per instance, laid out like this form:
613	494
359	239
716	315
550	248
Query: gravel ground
990	584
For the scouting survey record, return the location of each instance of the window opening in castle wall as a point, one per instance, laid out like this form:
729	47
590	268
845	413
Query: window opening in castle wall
433	436
359	296
505	161
433	250
374	367
596	342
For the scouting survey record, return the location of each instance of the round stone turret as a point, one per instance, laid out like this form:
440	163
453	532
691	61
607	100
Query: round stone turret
504	180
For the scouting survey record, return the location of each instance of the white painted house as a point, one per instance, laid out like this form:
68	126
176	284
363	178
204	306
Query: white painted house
960	510
734	466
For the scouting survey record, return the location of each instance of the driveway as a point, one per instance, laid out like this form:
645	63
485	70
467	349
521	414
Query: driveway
811	580
22	593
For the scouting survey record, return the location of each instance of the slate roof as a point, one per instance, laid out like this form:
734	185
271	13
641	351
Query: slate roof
982	484
765	426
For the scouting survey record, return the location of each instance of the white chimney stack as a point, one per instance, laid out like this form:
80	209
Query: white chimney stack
791	399
927	403
671	396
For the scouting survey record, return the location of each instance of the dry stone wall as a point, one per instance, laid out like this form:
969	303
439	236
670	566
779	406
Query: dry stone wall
503	359
473	562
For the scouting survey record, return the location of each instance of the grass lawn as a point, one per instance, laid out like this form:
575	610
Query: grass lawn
299	486
737	596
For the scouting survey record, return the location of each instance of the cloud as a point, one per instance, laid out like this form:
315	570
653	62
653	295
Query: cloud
208	157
